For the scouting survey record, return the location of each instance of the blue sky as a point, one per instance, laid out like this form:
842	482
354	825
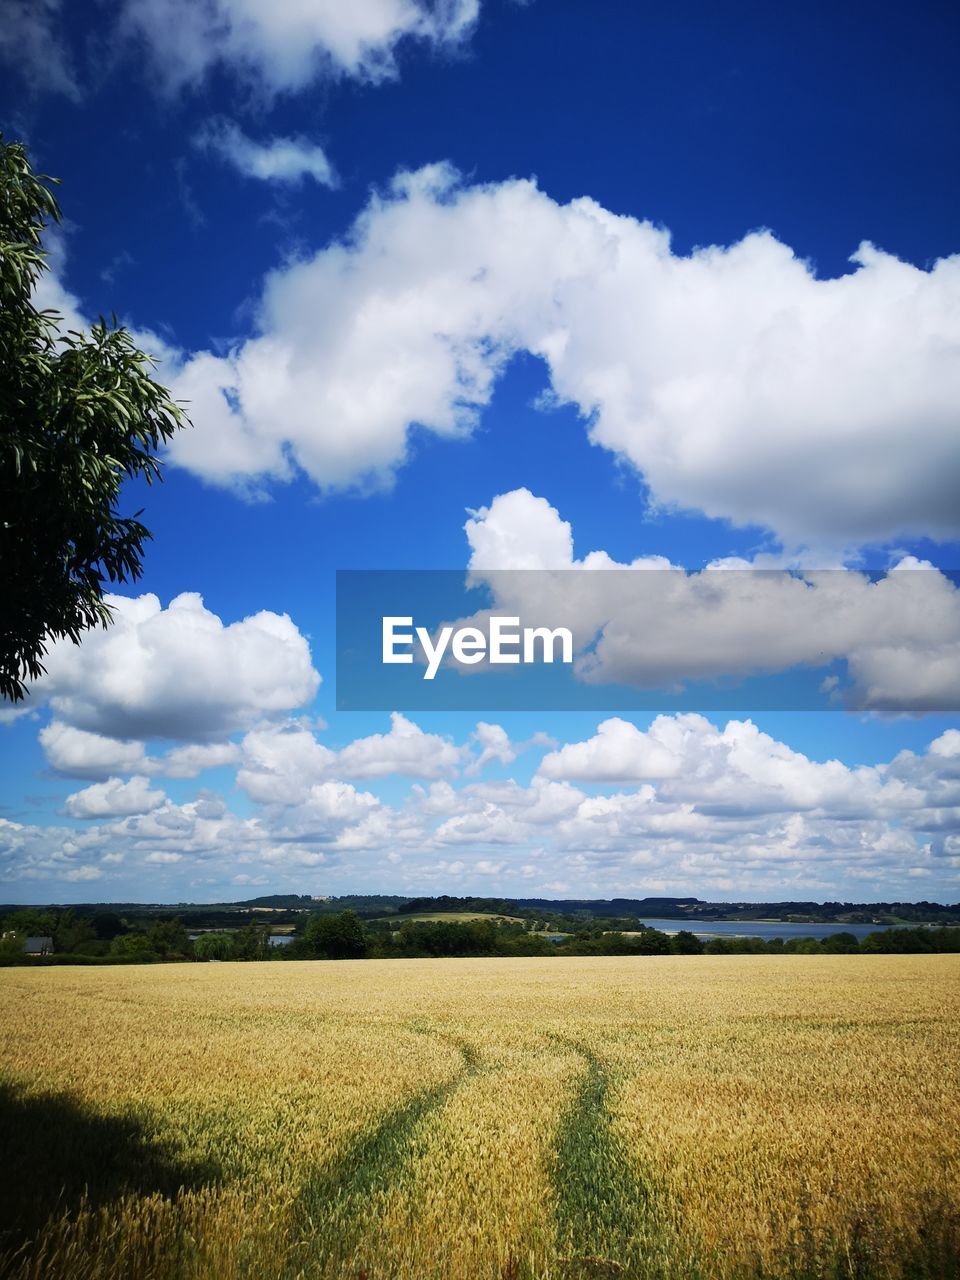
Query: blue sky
411	261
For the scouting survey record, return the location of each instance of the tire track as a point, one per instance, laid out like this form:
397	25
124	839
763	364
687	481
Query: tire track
333	1205
605	1211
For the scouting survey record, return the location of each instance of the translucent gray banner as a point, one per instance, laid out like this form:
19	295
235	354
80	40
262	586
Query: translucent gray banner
649	638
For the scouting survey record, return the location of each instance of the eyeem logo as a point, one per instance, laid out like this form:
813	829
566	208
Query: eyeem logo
661	639
504	643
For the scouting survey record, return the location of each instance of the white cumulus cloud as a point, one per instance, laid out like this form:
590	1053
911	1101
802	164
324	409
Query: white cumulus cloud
77	875
279	766
114	798
195	757
283	45
494	743
652	624
177	672
735	379
79	754
682	805
406	749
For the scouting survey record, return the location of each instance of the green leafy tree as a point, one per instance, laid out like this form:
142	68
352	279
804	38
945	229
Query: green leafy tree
32	921
651	942
132	946
107	925
526	944
78	414
73	932
213	946
338	936
899	941
686	943
249	943
11	945
169	938
805	947
841	943
91	947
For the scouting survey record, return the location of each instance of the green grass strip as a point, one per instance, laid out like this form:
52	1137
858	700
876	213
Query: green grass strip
603	1208
334	1203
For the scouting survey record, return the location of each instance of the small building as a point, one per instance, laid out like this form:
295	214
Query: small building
38	946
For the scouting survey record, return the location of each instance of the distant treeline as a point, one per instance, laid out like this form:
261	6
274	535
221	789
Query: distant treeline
291	908
341	935
697	911
664	908
334	938
672	908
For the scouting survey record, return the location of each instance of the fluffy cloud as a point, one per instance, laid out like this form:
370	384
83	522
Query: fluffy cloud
620	752
683	805
723	807
79	754
947	746
284	45
114	798
78	875
188	761
735	770
196	832
406	749
329	808
280	766
494	743
651	624
716	374
75	753
178	672
519	531
285	160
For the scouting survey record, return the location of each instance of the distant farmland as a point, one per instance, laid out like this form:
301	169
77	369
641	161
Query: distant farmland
461	917
743	1116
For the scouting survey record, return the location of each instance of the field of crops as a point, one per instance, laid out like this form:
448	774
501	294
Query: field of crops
458	1119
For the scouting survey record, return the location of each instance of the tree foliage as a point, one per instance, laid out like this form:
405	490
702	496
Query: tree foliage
132	946
250	943
169	938
336	937
79	414
213	946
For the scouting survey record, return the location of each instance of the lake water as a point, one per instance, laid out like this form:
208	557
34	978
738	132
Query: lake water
761	928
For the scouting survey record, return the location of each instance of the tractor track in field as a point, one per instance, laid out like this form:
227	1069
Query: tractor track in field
330	1204
604	1209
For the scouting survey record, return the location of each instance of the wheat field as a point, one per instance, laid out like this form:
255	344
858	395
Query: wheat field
521	1119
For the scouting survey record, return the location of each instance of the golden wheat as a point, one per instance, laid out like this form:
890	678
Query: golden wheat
453	1119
